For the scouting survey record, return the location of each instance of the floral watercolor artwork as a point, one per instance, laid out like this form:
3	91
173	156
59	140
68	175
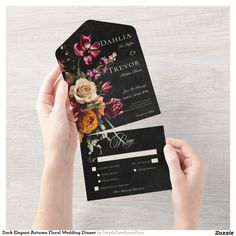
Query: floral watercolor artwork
93	111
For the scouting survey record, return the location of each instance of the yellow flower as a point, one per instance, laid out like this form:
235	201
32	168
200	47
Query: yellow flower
81	135
88	122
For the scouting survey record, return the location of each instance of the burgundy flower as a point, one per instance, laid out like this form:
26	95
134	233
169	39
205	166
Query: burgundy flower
76	108
86	50
106	87
93	74
69	82
104	62
113	108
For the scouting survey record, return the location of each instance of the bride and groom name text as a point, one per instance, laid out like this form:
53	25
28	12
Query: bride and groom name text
114	69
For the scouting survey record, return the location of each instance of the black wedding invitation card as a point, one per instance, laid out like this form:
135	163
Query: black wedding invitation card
128	162
109	85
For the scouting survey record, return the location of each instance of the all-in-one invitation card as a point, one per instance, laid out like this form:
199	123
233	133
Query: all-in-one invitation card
128	162
109	86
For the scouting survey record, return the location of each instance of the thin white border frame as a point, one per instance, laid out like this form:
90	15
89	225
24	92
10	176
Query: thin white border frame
3	5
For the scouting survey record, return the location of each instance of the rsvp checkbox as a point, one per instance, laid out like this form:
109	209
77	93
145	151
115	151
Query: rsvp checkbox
154	160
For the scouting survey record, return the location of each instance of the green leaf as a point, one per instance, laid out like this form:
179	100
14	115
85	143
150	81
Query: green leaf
88	140
90	147
104	135
78	69
102	126
93	105
82	75
69	75
94	142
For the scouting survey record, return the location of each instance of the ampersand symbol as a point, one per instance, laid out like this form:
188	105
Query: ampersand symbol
132	53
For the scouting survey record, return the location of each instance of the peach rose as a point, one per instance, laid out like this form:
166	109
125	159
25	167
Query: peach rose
84	91
101	106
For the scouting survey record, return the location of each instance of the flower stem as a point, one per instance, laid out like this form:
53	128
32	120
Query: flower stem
114	130
78	69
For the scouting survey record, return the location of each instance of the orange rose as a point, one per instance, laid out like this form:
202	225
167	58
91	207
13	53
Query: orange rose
88	122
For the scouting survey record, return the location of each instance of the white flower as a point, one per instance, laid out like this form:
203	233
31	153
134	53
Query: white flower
84	91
